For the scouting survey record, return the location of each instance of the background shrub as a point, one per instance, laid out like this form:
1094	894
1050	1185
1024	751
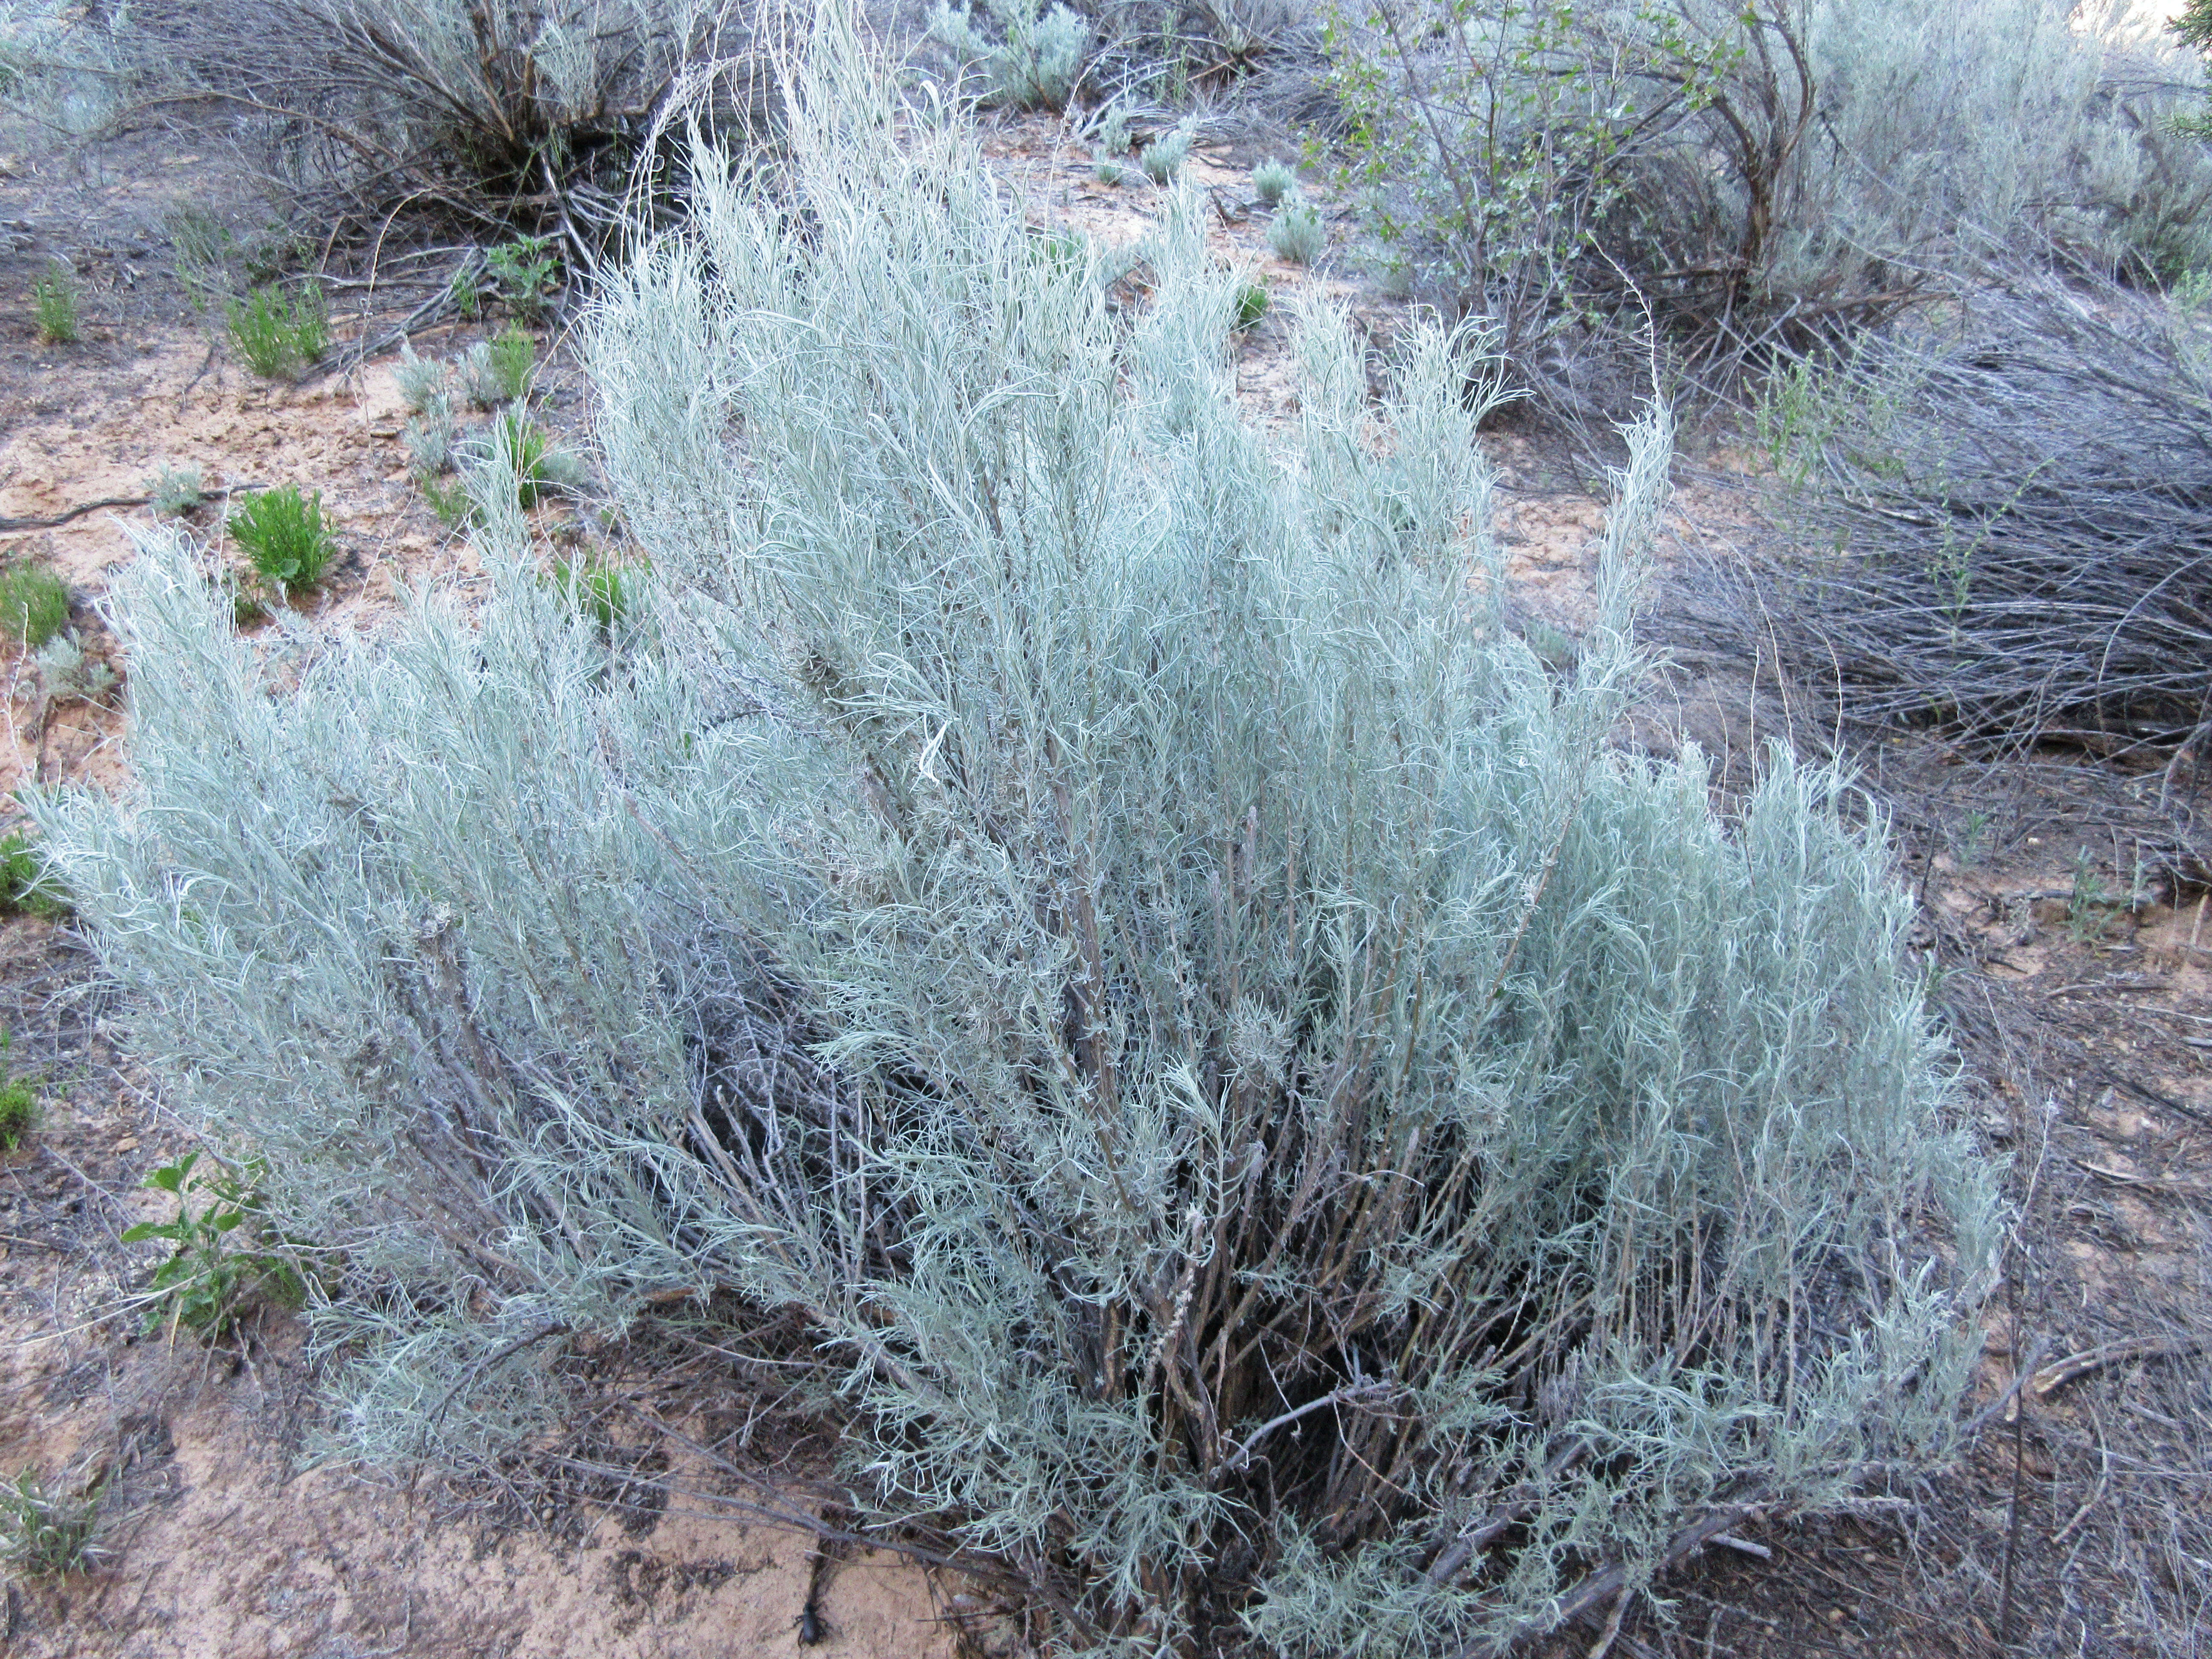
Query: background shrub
1746	175
1996	521
520	119
1027	55
1223	1075
279	335
53	305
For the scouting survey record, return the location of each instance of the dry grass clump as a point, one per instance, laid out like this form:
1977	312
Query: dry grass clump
2002	520
498	118
1081	936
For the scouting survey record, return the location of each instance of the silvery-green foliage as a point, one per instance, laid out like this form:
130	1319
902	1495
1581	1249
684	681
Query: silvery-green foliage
172	490
1273	180
421	380
1083	910
429	436
70	672
1296	232
1163	158
1028	57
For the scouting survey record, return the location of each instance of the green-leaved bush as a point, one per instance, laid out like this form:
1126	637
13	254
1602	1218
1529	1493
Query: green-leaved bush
284	536
1254	1117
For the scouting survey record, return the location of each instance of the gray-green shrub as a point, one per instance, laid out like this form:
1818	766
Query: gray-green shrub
1028	57
1814	158
1223	1074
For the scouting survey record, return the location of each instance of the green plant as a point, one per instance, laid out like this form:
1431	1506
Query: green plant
1971	842
34	603
26	886
19	1103
2089	904
216	1264
68	672
1296	232
1272	180
428	439
173	491
452	502
1250	303
1032	58
45	1535
1163	158
53	301
605	595
467	291
277	335
518	459
283	536
206	255
497	371
523	271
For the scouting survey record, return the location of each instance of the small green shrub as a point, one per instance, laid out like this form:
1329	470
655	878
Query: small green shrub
515	447
283	535
53	301
1272	180
522	272
215	1267
1251	304
497	371
35	604
604	594
452	502
45	1535
19	1112
467	291
277	335
206	255
1164	157
1034	58
28	888
1296	233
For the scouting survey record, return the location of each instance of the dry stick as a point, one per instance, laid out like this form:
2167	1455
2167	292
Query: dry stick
11	526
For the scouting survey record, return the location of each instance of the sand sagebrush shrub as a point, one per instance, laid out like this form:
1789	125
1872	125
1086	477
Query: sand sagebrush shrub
1026	56
475	109
1226	1077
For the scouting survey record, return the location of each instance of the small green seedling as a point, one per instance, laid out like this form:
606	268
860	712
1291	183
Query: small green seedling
217	1265
19	1103
45	1535
278	336
1251	305
35	604
452	502
283	535
497	371
523	271
517	445
467	293
53	301
26	887
604	594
